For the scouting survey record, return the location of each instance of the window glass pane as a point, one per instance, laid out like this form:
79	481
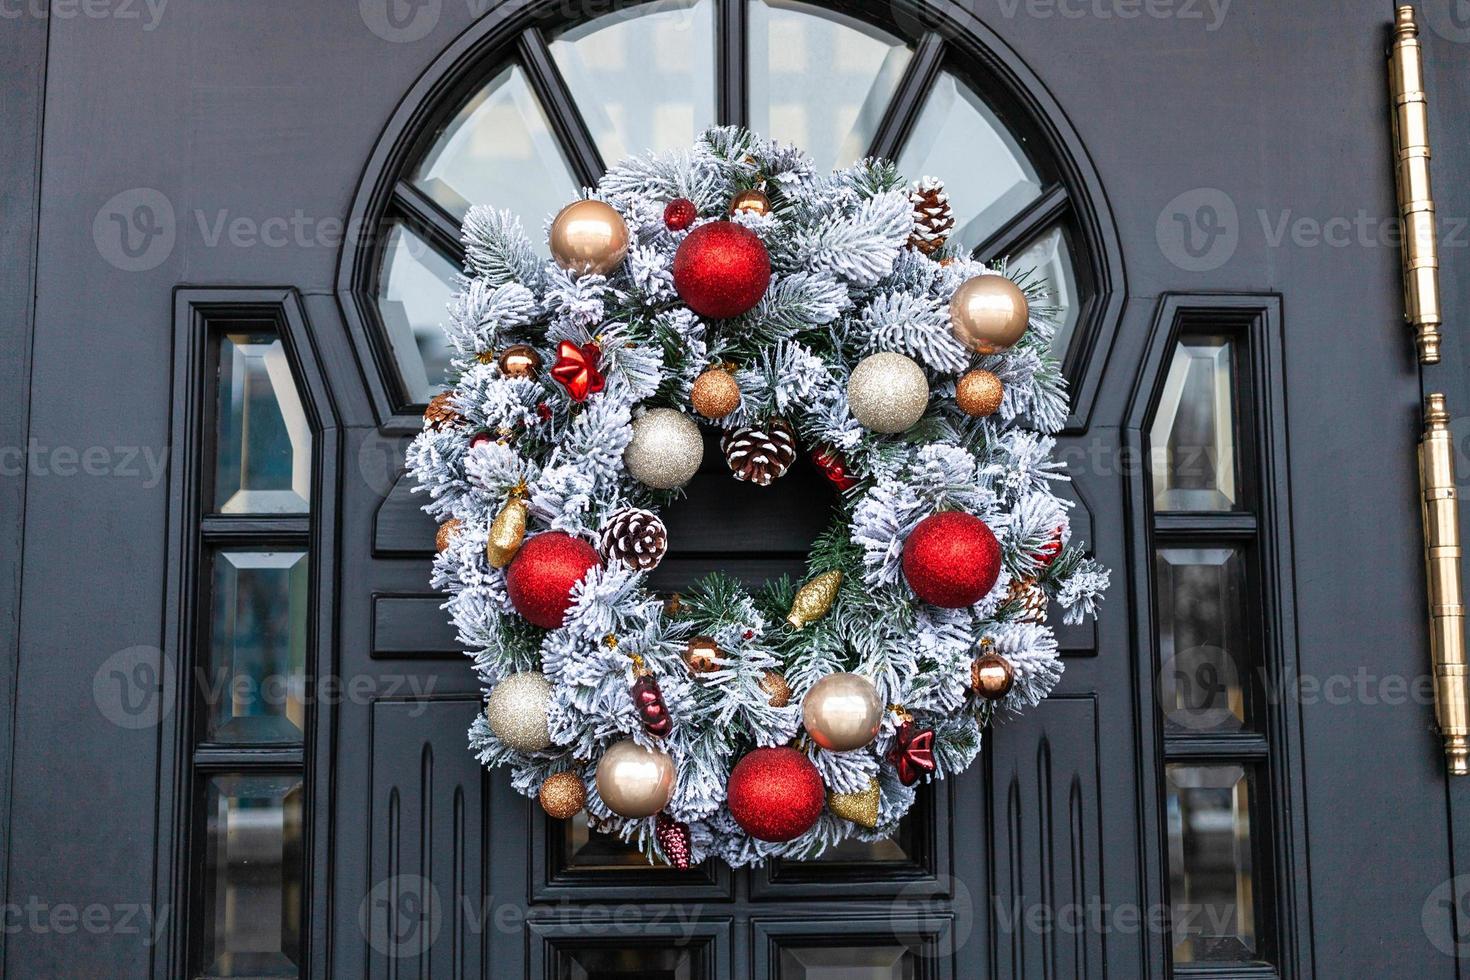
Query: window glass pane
252	909
887	962
591	850
1050	256
819	79
1211	888
255	685
960	140
499	151
631	963
414	290
644	77
1193	436
1204	647
263	452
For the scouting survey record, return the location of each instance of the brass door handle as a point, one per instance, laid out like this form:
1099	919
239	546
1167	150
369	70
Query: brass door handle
1420	245
1441	513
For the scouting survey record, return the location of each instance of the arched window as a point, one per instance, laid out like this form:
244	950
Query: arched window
533	109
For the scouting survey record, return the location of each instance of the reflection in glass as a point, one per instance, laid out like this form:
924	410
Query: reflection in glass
820	79
591	850
252	910
414	290
1050	256
1211	889
255	685
1203	643
499	151
1193	436
632	963
263	451
887	962
959	139
643	77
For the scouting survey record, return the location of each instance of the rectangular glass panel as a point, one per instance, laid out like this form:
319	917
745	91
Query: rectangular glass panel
1211	876
631	963
263	442
1193	437
1205	648
255	683
884	962
591	850
252	911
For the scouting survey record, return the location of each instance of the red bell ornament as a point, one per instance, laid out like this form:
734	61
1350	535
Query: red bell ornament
577	368
951	560
721	270
545	570
776	794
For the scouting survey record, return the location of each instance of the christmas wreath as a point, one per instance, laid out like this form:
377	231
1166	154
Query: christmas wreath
731	285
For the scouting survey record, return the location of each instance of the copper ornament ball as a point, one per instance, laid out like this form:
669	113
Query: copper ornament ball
778	691
750	202
520	361
842	712
445	535
563	795
988	313
701	655
715	394
634	781
992	676
979	393
588	237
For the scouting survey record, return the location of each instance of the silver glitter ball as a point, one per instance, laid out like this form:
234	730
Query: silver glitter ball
887	392
666	449
516	711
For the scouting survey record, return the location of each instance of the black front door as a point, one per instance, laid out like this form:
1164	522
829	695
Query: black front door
238	712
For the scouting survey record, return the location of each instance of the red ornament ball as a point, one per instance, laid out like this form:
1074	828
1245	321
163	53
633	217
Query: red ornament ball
1048	552
680	214
951	560
541	578
721	269
776	794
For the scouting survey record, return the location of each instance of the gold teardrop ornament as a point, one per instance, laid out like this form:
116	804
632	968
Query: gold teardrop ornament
507	532
814	599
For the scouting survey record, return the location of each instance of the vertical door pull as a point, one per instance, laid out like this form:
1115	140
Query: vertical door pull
1420	246
1441	511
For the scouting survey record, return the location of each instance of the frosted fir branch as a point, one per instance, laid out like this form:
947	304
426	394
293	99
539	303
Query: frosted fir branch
913	324
862	247
497	250
482	315
794	303
1031	649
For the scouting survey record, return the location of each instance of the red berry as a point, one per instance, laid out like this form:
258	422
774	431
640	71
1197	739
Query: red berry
680	214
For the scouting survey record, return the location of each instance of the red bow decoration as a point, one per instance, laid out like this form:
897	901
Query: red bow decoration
913	752
834	467
576	368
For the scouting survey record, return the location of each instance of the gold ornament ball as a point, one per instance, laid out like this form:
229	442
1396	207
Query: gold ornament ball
446	534
520	361
979	393
716	393
666	449
634	781
860	808
563	795
750	202
992	676
887	392
516	711
778	691
701	655
589	237
988	313
842	712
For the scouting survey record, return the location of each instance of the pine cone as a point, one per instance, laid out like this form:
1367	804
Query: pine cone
1027	600
635	537
760	455
674	841
933	218
441	414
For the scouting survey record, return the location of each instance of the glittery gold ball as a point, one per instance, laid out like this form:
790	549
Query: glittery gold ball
778	691
716	393
887	392
750	202
516	711
701	655
979	393
588	236
861	807
446	533
988	313
563	795
666	449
